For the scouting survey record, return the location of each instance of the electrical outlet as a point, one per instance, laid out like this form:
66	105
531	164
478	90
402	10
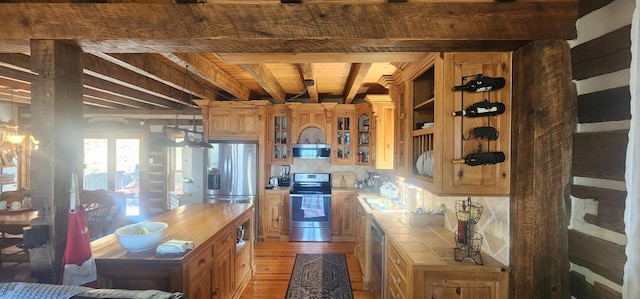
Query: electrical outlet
497	228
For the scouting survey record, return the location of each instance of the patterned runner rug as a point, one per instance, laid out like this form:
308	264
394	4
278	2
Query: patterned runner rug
320	276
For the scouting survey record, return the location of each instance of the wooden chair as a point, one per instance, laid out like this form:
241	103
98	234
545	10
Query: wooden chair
104	212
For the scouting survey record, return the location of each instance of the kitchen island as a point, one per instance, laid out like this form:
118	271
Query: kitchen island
215	266
420	263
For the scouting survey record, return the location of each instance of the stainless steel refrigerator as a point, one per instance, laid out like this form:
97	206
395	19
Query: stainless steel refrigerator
232	173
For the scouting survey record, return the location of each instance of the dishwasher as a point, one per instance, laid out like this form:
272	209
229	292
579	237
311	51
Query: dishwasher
377	260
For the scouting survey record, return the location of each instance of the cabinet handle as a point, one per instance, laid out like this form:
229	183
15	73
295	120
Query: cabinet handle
243	265
458	290
216	291
396	295
396	261
395	280
202	261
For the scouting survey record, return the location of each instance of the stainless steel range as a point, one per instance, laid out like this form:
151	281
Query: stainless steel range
310	207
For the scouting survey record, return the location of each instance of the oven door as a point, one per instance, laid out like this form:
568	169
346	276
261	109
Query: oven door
309	225
316	216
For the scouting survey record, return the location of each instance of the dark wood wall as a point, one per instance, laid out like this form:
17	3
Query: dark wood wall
599	153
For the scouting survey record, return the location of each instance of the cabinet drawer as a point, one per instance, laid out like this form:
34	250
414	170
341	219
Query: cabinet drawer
394	292
243	264
223	241
201	263
397	282
395	260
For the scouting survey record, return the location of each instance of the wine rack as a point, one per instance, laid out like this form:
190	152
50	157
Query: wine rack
475	84
468	242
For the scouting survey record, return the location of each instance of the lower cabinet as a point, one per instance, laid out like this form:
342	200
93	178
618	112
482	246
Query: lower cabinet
362	250
276	215
343	207
405	280
223	269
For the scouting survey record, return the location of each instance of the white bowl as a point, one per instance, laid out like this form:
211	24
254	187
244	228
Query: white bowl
141	236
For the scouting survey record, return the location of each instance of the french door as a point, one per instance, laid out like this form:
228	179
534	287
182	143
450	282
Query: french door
115	161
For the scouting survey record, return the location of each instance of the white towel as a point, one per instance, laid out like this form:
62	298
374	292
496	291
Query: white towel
312	206
174	246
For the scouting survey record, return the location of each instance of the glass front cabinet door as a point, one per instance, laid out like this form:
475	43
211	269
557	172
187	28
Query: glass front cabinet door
280	135
343	152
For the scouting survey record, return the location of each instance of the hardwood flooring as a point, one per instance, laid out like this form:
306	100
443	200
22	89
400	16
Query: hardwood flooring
274	262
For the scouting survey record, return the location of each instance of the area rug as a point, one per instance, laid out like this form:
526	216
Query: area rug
320	276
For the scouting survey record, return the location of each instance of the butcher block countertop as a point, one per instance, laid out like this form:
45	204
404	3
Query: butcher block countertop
196	222
204	224
428	248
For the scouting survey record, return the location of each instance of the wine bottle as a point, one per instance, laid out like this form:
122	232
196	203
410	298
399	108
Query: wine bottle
476	159
484	108
482	83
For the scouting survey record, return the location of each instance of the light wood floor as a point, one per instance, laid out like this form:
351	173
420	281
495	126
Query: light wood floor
274	262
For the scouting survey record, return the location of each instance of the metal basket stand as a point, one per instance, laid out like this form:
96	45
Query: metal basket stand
468	242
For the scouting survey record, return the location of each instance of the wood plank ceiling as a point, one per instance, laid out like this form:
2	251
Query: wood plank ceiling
137	54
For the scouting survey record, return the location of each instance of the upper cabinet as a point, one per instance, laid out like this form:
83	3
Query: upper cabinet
344	124
231	120
457	155
280	134
383	113
365	139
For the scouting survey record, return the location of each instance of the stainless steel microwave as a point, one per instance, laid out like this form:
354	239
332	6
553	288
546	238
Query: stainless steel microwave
311	151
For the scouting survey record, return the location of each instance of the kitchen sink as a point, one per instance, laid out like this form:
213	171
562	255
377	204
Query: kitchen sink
385	204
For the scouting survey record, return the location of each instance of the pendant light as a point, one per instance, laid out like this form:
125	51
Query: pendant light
13	136
186	141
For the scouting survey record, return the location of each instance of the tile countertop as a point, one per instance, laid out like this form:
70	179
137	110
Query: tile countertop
429	248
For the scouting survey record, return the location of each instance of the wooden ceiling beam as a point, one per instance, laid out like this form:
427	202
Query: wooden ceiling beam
315	21
247	58
286	46
108	71
133	94
121	101
209	72
149	66
354	81
267	80
306	69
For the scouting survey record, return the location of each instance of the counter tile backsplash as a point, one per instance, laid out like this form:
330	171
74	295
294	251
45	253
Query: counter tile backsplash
493	224
323	166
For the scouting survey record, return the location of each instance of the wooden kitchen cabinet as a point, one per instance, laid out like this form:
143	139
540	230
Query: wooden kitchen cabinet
437	137
279	136
231	120
365	138
343	225
344	124
277	214
407	280
362	250
383	112
307	116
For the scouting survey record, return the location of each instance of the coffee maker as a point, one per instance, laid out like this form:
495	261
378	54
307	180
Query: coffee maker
285	179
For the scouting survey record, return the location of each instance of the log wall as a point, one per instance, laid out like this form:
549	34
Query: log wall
601	58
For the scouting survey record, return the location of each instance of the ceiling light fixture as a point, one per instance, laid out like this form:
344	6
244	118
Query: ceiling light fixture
13	136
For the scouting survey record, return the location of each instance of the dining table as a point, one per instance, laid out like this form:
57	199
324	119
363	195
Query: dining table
12	222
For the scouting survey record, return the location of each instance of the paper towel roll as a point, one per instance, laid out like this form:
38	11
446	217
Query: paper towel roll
412	199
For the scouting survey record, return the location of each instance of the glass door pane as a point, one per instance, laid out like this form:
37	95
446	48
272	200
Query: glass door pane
127	174
96	167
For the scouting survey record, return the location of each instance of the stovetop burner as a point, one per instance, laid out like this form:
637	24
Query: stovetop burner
311	183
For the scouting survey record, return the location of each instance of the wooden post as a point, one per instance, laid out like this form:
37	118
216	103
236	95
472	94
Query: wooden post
544	118
56	109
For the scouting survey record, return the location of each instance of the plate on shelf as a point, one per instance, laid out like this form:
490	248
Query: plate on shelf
420	164
428	169
427	125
